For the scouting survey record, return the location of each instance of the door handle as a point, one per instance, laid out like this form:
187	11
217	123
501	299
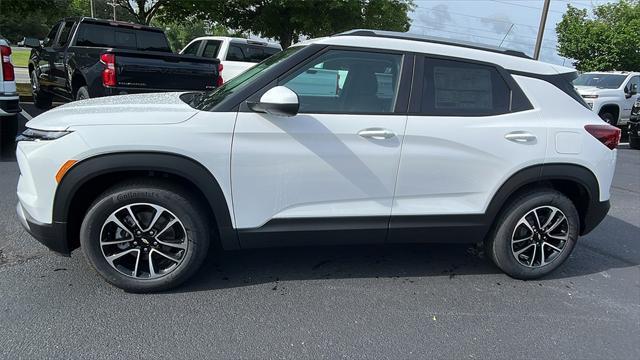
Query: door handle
376	133
521	137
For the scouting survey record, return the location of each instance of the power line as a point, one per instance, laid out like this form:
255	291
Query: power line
485	30
480	17
493	32
482	37
525	6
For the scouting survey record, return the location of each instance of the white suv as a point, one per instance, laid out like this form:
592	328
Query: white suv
416	140
609	94
236	54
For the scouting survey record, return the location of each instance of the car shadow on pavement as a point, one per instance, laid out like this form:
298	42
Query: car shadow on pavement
249	267
261	266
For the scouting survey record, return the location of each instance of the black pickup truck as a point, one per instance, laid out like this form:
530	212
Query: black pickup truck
84	58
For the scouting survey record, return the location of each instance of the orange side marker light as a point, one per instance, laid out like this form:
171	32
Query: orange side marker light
64	168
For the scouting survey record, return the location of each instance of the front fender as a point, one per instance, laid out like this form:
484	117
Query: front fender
91	168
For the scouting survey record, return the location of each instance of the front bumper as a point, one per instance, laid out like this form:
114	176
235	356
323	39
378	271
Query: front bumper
52	236
594	215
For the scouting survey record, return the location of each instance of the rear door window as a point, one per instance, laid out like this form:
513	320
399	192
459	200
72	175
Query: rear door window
65	34
457	88
211	49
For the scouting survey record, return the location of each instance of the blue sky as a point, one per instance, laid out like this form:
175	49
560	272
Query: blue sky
488	21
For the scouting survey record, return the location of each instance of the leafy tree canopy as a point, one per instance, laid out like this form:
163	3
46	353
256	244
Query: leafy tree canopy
287	20
608	40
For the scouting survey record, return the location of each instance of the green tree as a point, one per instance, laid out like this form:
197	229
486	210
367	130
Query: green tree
180	33
608	40
20	18
288	20
142	10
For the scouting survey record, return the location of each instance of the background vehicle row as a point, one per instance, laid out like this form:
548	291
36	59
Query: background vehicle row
85	58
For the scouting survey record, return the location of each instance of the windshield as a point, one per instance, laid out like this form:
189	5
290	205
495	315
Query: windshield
206	101
602	81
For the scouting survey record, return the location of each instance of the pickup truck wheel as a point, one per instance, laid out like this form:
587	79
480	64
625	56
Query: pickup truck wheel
41	99
82	93
145	236
609	118
534	235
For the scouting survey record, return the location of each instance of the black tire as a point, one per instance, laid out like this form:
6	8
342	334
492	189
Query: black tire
41	99
176	200
634	142
609	118
82	93
499	243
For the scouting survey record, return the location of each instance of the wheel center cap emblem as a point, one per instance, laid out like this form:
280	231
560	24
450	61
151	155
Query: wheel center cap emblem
145	241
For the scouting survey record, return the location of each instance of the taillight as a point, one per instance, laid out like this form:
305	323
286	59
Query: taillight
109	73
606	134
7	67
220	80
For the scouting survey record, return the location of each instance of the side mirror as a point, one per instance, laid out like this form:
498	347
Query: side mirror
279	100
31	42
633	89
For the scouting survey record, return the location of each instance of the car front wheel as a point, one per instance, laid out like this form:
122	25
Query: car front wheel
145	236
534	235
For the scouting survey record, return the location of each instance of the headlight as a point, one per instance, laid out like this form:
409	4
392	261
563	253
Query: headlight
590	96
38	135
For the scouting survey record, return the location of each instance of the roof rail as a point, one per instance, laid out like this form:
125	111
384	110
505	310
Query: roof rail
432	39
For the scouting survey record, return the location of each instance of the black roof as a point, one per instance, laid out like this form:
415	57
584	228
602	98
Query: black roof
112	22
432	39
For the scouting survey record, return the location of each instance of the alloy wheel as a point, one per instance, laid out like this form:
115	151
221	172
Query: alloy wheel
540	236
143	241
35	86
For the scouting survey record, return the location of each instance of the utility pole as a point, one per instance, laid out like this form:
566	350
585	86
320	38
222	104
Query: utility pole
543	21
91	2
113	3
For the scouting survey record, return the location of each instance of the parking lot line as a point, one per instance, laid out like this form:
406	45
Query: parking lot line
26	115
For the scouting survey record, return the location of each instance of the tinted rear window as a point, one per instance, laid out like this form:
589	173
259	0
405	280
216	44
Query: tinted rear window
120	37
249	53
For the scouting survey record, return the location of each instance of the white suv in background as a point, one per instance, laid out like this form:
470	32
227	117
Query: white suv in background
236	54
415	140
9	100
611	95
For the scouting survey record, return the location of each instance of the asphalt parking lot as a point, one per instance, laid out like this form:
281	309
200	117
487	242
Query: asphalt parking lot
352	302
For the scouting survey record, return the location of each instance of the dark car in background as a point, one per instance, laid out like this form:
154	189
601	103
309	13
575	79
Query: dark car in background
85	58
634	126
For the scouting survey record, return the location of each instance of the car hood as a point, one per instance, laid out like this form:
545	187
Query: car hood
592	90
140	109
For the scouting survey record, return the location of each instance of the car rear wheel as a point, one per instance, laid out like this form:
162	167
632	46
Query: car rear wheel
145	236
83	93
534	235
634	142
41	99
